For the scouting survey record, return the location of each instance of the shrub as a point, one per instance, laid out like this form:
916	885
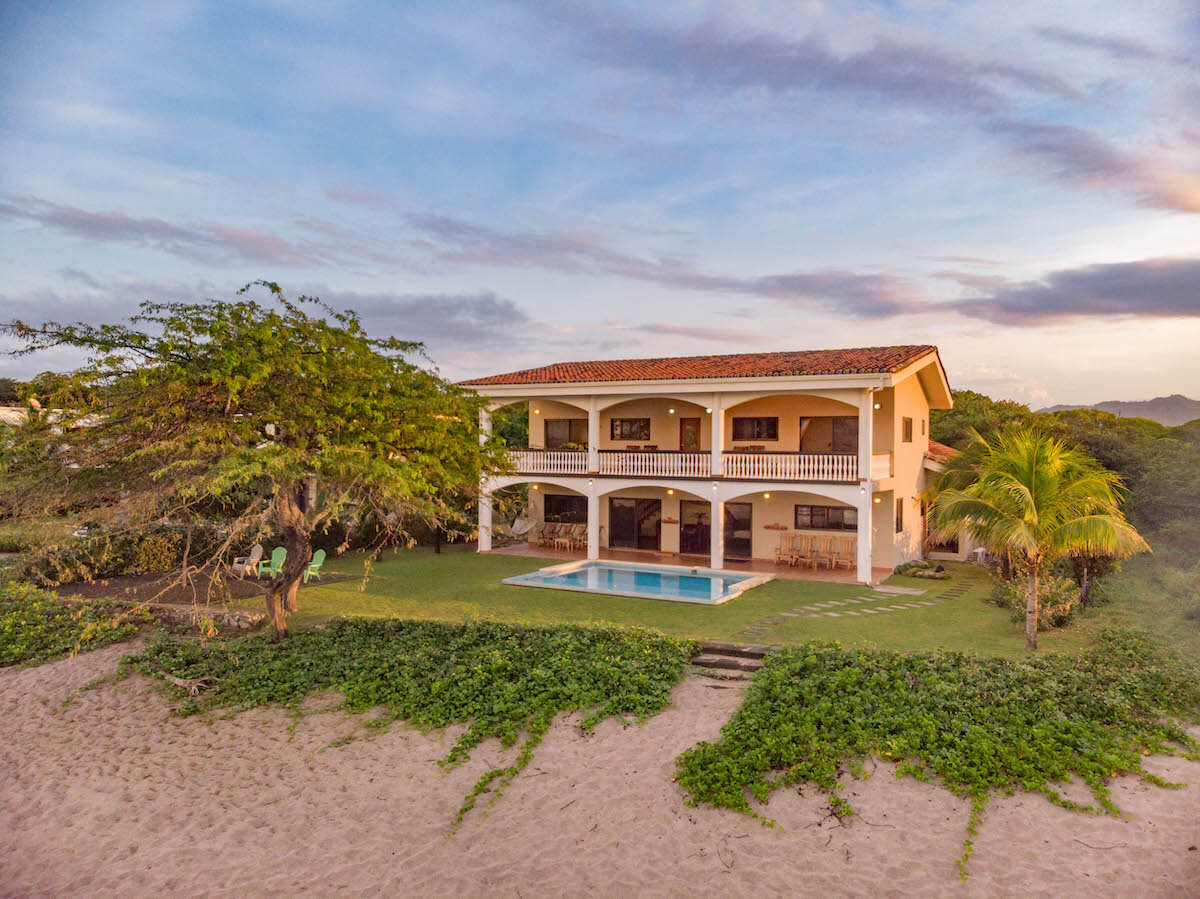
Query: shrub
503	680
923	568
1058	597
975	725
36	625
89	558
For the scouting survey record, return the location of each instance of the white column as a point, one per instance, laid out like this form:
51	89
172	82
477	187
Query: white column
485	522
718	436
593	436
865	507
593	522
717	530
866	433
485	500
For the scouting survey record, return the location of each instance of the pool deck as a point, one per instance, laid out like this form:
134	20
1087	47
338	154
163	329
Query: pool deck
760	566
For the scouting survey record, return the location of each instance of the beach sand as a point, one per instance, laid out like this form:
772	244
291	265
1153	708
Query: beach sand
111	796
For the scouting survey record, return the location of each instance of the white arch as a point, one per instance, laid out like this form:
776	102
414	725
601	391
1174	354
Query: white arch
493	405
607	488
731	491
845	397
575	485
608	402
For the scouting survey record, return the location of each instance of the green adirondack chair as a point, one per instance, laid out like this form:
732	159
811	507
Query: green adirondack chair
275	565
314	567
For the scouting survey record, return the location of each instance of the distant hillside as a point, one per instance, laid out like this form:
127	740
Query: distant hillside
1171	410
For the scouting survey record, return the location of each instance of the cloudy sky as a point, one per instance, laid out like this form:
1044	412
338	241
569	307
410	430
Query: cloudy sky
519	183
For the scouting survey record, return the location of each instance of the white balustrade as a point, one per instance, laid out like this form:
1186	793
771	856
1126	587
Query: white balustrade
792	466
656	464
743	466
537	461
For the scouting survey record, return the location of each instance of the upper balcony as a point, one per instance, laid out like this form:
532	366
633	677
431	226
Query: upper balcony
779	437
752	466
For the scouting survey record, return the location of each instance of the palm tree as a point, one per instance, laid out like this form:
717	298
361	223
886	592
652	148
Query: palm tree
1030	495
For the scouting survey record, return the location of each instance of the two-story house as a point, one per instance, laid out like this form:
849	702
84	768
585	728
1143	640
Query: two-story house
652	453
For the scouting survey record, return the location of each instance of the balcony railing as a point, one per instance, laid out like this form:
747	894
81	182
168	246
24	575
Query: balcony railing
792	466
642	464
838	467
539	461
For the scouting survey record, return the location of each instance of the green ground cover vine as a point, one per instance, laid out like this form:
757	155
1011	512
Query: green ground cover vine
36	625
502	680
977	725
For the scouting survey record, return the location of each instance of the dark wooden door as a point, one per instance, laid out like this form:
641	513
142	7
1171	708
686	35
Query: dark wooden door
689	434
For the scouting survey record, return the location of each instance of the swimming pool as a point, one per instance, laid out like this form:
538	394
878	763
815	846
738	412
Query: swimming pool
671	582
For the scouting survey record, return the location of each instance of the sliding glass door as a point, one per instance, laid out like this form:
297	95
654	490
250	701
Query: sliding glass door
738	530
634	523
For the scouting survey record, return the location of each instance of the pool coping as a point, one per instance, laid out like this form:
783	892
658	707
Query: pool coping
751	580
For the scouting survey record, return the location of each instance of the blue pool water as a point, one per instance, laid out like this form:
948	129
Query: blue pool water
699	585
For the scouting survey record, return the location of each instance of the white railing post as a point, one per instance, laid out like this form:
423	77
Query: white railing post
866	428
866	495
593	522
593	435
718	435
716	529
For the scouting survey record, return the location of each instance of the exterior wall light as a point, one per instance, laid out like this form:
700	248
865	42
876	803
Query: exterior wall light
535	486
879	405
766	496
670	411
709	410
539	411
670	492
878	500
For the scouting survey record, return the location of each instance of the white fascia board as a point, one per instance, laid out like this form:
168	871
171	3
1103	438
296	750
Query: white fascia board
687	386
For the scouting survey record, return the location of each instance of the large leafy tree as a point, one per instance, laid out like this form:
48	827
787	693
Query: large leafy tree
1030	495
283	415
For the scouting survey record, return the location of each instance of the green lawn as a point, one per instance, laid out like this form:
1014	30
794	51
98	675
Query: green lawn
459	585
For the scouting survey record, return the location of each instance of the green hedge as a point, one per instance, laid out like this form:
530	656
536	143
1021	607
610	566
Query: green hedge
36	625
975	725
503	680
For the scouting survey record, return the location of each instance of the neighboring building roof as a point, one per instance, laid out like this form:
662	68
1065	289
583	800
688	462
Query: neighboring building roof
939	452
863	360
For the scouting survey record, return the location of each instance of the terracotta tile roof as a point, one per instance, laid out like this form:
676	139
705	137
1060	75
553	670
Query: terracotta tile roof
939	452
864	360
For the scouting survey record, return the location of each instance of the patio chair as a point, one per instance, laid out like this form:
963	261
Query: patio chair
275	565
806	553
579	536
314	567
550	533
244	565
845	553
824	554
786	551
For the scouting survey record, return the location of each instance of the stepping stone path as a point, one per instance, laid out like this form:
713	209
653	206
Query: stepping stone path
901	599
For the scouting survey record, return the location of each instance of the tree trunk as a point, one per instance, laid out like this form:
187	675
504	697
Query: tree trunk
276	615
1031	607
1085	586
292	527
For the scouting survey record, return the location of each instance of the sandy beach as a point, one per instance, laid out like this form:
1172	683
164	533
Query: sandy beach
112	796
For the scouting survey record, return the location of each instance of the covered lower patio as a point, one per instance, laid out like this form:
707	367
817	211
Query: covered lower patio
838	576
735	525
